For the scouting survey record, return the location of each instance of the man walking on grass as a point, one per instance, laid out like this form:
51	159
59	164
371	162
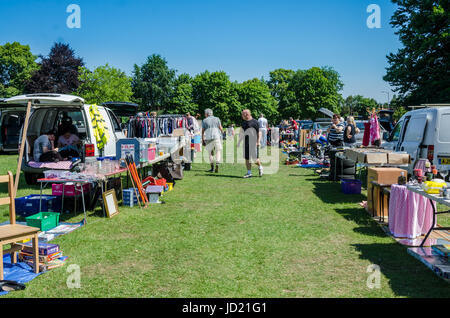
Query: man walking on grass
252	140
212	132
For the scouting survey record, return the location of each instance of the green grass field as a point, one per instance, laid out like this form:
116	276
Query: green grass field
218	235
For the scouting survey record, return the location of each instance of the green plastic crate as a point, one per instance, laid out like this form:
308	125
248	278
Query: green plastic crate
44	220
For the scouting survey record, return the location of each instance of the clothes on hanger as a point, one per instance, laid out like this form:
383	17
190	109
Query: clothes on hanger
374	129
151	127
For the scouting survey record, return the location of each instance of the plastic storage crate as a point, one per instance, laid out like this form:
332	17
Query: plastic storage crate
351	186
129	197
44	220
29	205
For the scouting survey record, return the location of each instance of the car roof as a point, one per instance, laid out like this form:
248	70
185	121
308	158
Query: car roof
46	99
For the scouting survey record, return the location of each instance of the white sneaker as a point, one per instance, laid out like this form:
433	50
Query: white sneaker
261	172
248	175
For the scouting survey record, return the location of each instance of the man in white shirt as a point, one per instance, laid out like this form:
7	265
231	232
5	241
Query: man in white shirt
212	133
263	125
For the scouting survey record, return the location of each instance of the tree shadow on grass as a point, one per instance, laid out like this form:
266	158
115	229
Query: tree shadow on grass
366	225
406	276
330	192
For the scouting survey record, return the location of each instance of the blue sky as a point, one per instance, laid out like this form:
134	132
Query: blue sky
246	38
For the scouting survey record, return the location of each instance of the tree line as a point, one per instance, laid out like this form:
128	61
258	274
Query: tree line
420	72
154	86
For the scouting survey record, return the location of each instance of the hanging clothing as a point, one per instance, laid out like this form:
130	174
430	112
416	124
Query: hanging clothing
374	129
366	136
153	127
98	124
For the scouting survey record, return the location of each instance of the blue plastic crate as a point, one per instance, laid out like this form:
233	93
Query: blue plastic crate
29	205
128	195
351	186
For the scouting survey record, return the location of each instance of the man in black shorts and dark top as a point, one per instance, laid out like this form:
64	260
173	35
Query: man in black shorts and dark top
252	138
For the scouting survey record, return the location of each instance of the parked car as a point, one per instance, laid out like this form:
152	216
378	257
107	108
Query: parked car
304	122
11	121
423	133
48	111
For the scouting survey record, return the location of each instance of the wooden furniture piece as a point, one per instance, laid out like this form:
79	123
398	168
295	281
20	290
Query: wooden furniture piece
381	175
13	233
380	205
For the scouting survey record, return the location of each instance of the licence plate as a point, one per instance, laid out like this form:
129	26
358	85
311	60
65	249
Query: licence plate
444	161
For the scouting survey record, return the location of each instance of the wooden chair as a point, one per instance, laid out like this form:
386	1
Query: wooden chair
13	233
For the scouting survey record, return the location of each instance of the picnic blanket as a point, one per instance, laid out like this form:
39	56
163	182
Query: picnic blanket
61	165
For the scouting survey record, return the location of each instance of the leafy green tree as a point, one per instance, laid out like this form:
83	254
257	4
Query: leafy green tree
217	92
153	83
255	95
182	100
420	70
104	84
313	89
357	105
279	86
58	72
17	63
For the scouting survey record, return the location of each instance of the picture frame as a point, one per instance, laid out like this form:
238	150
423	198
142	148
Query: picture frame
110	202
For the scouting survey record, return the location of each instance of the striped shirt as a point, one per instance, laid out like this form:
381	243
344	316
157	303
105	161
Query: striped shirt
334	135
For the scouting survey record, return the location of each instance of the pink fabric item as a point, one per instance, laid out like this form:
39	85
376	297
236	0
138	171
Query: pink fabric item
374	128
410	214
62	165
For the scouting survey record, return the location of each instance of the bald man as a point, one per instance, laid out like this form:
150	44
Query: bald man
252	140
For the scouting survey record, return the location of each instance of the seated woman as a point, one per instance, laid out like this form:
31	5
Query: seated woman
68	143
43	148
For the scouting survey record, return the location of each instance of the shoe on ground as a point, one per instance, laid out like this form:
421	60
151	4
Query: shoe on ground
260	172
248	175
217	169
210	170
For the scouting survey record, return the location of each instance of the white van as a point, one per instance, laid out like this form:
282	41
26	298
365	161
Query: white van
423	133
48	110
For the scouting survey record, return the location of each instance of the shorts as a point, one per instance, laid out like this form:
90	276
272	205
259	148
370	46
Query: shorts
213	144
251	153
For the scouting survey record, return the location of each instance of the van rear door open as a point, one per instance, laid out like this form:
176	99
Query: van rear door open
413	135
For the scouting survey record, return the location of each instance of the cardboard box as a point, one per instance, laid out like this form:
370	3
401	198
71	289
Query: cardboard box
373	157
399	158
386	176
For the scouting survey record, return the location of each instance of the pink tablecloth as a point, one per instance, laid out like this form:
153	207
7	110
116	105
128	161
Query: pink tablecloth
410	214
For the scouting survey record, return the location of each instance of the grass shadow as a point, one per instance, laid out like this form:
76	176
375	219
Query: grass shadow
406	276
330	192
363	219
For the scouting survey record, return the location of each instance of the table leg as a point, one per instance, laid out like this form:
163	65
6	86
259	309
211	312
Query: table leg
62	198
381	205
103	185
432	225
36	253
1	261
40	200
373	206
84	207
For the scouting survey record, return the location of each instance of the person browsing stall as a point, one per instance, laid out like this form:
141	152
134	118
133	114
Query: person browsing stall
336	132
252	140
212	133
